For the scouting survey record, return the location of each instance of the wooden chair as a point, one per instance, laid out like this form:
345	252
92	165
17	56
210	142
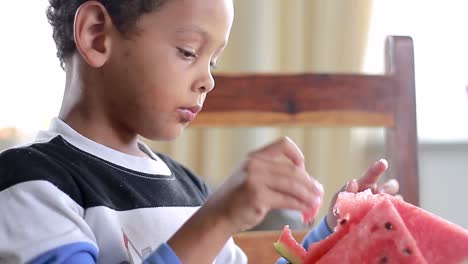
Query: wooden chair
313	99
258	245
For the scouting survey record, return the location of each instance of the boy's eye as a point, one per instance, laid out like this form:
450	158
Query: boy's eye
187	54
191	55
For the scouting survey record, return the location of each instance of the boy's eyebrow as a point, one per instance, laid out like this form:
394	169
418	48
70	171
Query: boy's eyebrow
198	30
193	29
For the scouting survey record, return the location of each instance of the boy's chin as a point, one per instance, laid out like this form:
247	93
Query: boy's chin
168	135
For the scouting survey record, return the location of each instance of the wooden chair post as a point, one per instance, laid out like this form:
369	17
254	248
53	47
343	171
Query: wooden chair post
401	139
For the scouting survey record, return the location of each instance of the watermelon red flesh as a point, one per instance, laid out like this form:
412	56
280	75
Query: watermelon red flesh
288	248
365	201
439	240
318	249
380	237
355	204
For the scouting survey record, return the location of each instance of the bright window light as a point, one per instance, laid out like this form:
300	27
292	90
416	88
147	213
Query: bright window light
31	80
438	29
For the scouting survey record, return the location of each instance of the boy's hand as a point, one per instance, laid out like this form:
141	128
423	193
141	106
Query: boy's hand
272	177
367	181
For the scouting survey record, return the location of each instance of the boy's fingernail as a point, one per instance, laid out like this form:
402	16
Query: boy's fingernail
392	182
347	185
384	162
391	186
351	186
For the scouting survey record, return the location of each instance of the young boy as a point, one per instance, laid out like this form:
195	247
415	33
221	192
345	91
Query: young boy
88	191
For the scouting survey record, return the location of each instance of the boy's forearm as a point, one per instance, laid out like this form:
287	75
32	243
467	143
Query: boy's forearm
202	237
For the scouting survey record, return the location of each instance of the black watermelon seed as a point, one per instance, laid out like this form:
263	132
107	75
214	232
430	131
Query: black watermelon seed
343	221
407	251
383	260
388	226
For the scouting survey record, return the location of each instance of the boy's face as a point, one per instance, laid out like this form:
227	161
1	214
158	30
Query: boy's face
157	80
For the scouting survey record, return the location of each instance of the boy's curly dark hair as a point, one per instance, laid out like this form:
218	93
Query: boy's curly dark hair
124	15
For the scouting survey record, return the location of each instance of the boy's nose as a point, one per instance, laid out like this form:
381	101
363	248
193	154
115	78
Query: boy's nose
207	84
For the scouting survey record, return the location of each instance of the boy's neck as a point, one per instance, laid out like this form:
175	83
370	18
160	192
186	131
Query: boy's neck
103	133
82	111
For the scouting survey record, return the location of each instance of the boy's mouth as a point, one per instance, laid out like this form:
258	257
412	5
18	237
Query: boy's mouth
188	114
194	109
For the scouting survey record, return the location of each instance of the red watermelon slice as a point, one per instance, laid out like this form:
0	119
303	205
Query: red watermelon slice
380	237
358	204
439	240
288	248
318	249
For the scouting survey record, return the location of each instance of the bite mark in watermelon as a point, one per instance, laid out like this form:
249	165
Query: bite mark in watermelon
288	248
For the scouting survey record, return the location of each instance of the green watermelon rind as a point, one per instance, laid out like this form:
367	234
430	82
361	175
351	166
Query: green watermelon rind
288	247
286	253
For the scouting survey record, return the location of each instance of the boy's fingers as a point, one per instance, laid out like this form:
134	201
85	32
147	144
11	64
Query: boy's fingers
390	187
295	182
372	174
287	202
285	199
283	147
291	189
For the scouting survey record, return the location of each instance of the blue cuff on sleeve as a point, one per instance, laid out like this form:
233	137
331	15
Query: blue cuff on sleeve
163	255
282	261
320	232
83	253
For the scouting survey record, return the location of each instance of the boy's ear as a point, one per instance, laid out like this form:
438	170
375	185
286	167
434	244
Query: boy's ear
92	29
